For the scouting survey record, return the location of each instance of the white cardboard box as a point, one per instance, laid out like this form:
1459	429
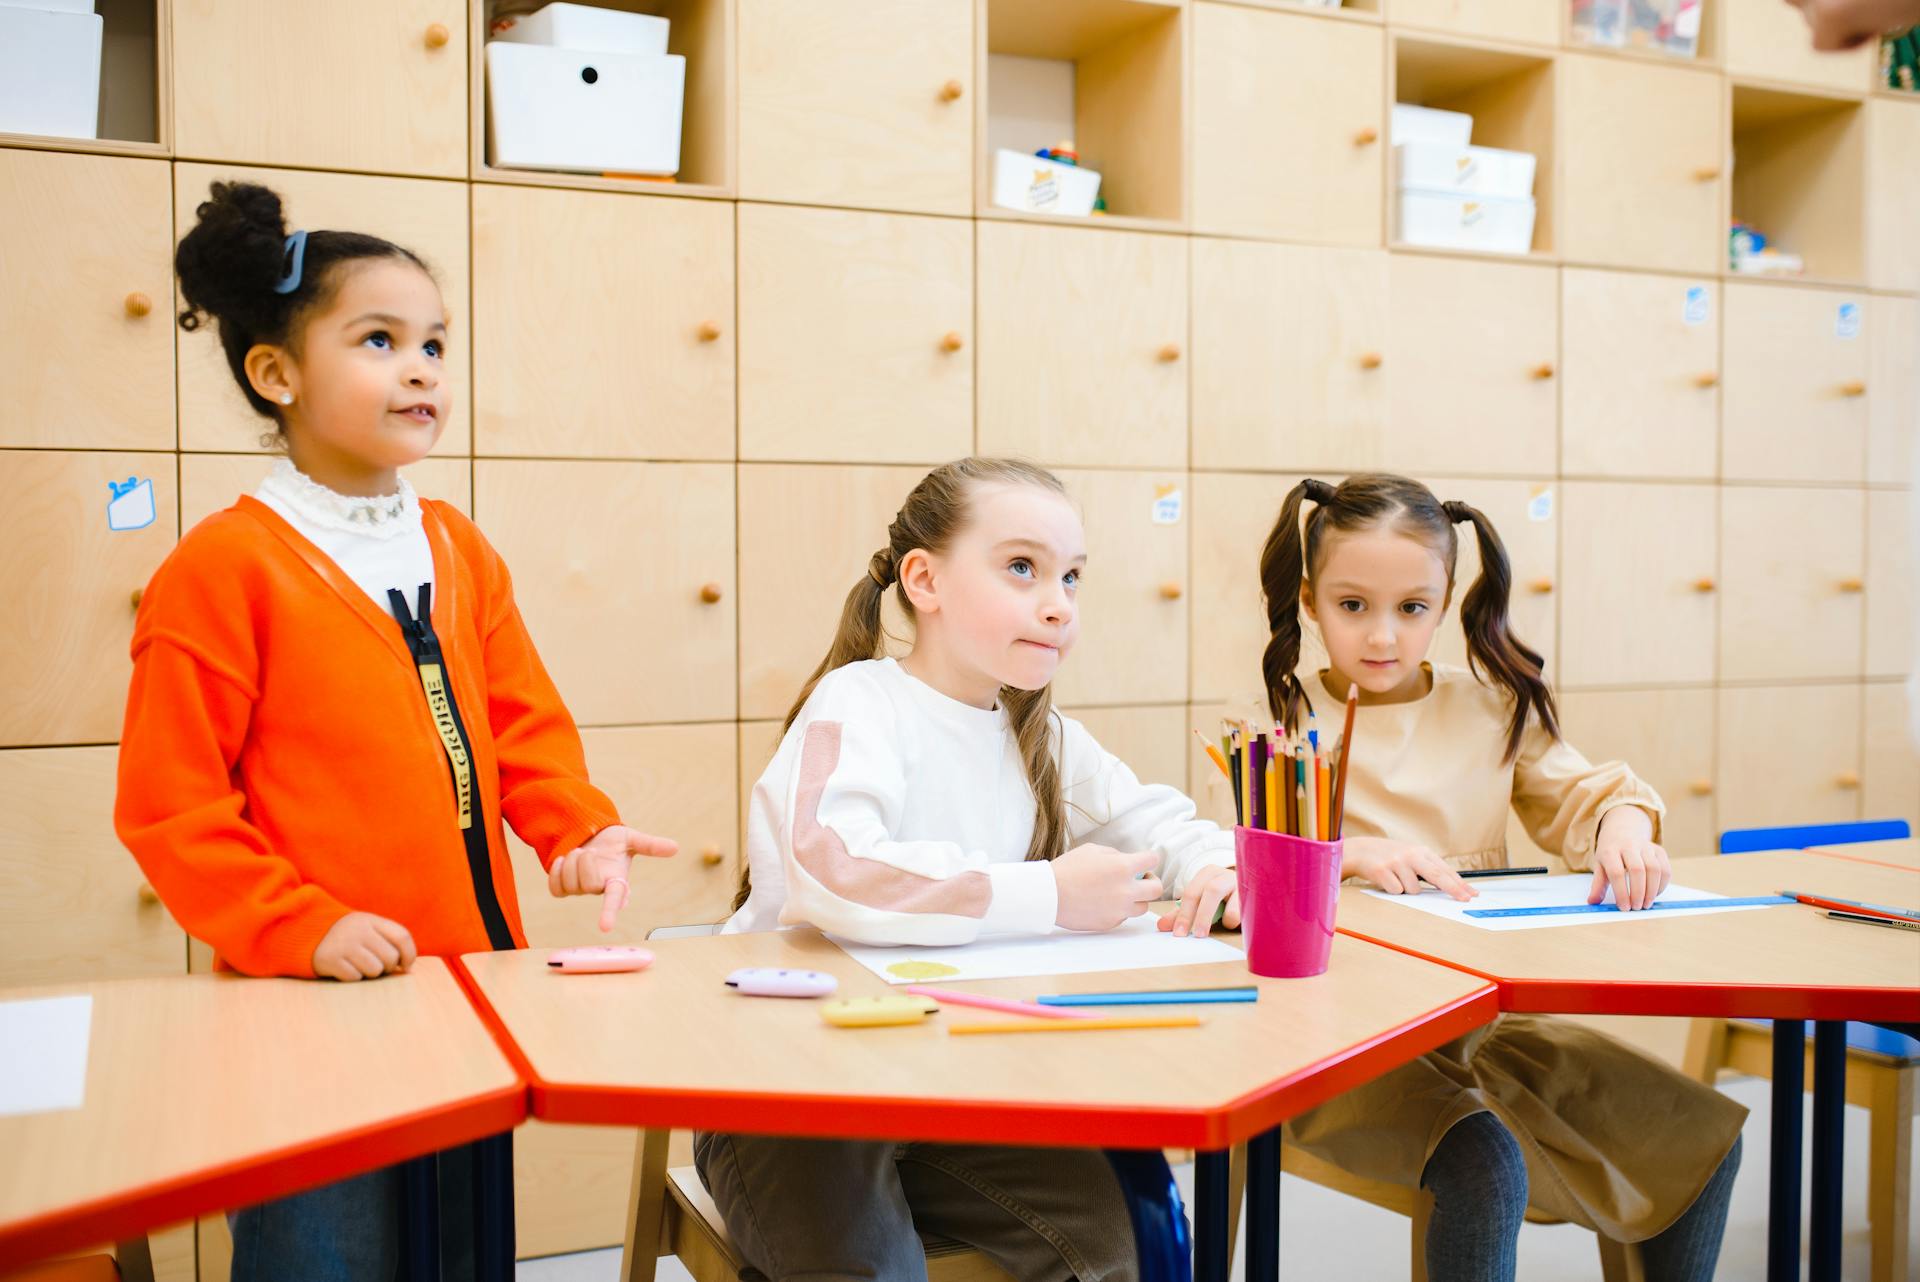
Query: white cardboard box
1488	171
564	109
1430	124
49	72
1041	186
587	27
1449	220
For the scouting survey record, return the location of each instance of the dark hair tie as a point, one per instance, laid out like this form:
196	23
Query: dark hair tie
880	567
1457	511
1317	491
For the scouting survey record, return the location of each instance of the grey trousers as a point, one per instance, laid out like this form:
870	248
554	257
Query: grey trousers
815	1209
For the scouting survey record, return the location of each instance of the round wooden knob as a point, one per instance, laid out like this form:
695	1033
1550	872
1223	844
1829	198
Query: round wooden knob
1706	380
1846	781
1541	587
1544	370
708	331
951	341
1854	388
711	856
1706	173
138	304
1371	360
1170	590
1365	135
1171	352
438	35
710	593
951	91
148	895
1853	585
1704	584
136	595
1701	787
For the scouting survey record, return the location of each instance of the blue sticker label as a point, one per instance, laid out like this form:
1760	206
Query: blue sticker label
1696	310
131	507
1166	505
1846	321
1540	505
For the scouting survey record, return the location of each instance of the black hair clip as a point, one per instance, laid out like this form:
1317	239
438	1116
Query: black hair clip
296	253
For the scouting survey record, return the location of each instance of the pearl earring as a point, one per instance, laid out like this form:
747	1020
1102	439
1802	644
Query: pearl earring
286	398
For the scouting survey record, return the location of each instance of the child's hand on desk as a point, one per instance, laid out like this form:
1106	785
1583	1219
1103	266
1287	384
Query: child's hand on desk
1626	858
1100	887
1205	890
599	865
1398	867
363	946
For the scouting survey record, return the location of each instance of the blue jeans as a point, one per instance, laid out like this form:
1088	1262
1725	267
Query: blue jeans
351	1231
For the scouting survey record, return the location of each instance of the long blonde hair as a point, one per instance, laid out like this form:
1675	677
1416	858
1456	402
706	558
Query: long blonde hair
932	515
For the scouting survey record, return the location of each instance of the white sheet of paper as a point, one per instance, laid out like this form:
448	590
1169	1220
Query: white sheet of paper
1546	892
43	1054
1135	945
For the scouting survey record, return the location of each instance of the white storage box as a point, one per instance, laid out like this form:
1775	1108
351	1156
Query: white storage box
1449	220
585	27
1485	170
1041	186
50	72
1430	124
585	112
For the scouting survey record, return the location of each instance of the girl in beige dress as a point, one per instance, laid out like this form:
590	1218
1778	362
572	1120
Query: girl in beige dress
1528	1111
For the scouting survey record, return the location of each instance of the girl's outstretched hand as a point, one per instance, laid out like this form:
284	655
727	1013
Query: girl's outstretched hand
1627	859
598	866
1205	891
1398	867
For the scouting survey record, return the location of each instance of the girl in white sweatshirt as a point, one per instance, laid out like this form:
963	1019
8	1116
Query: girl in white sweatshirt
933	800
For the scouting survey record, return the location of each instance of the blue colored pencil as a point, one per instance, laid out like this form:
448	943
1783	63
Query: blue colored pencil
1171	997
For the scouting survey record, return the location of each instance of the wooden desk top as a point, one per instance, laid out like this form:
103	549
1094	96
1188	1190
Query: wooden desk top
206	1092
673	1047
1904	853
1789	962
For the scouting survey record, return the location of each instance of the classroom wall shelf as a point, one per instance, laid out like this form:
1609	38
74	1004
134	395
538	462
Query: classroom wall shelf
1799	174
136	92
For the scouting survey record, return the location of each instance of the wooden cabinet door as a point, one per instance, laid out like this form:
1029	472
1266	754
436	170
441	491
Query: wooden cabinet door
75	583
625	574
1082	345
1471	386
1893	194
1789	755
1796	393
1640	569
372	85
86	333
429	218
73	903
844	102
1133	601
1793	575
605	325
211	483
1889	595
1770	42
856	336
1642	372
1890	769
1153	741
1288	347
806	534
1666	736
1232	514
1287	126
1525	20
1526	516
1893	408
1642	164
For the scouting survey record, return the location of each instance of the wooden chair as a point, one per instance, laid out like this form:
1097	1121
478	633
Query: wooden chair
84	1268
1882	1066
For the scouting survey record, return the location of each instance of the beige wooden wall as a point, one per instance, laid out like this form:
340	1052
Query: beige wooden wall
687	412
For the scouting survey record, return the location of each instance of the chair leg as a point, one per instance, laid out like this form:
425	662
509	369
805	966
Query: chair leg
134	1260
1706	1051
1620	1261
1417	1235
646	1208
1889	1168
1236	1195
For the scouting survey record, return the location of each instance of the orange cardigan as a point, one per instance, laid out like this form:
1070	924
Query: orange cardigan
280	767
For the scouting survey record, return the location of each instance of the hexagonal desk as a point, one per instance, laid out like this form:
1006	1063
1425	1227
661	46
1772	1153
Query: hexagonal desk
673	1047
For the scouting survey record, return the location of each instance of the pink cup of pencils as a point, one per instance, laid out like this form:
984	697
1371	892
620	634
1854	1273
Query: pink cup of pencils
1288	889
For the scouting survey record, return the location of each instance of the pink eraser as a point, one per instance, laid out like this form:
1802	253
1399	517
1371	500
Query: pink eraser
599	959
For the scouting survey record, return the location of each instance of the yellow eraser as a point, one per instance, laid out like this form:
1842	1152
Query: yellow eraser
875	1012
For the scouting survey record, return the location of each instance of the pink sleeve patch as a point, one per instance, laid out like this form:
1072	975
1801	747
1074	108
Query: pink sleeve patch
867	882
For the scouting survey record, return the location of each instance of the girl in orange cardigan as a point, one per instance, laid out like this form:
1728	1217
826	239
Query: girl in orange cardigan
335	703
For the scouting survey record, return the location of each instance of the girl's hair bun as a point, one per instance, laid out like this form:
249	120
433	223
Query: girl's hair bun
231	260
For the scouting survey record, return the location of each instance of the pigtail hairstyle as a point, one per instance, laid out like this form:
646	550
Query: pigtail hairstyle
1493	652
932	515
1282	569
238	267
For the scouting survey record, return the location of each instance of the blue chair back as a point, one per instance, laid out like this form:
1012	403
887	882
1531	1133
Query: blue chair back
1742	841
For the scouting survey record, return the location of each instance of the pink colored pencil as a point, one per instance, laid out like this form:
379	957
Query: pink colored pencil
1005	1005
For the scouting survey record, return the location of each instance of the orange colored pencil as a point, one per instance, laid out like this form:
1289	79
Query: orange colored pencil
1213	754
1320	797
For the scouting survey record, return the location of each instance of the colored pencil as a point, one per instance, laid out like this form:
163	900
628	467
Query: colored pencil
1078	1025
1276	813
1257	783
1213	755
1310	784
1340	769
1322	809
1849	906
1171	997
1869	919
1005	1005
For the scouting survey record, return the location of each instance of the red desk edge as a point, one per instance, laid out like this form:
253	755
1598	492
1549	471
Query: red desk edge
980	1121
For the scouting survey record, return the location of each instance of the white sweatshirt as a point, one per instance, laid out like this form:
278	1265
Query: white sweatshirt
892	814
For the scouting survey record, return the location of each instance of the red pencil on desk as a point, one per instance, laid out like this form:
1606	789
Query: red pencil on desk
1849	906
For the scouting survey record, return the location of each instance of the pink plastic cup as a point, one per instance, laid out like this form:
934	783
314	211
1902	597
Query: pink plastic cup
1288	889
